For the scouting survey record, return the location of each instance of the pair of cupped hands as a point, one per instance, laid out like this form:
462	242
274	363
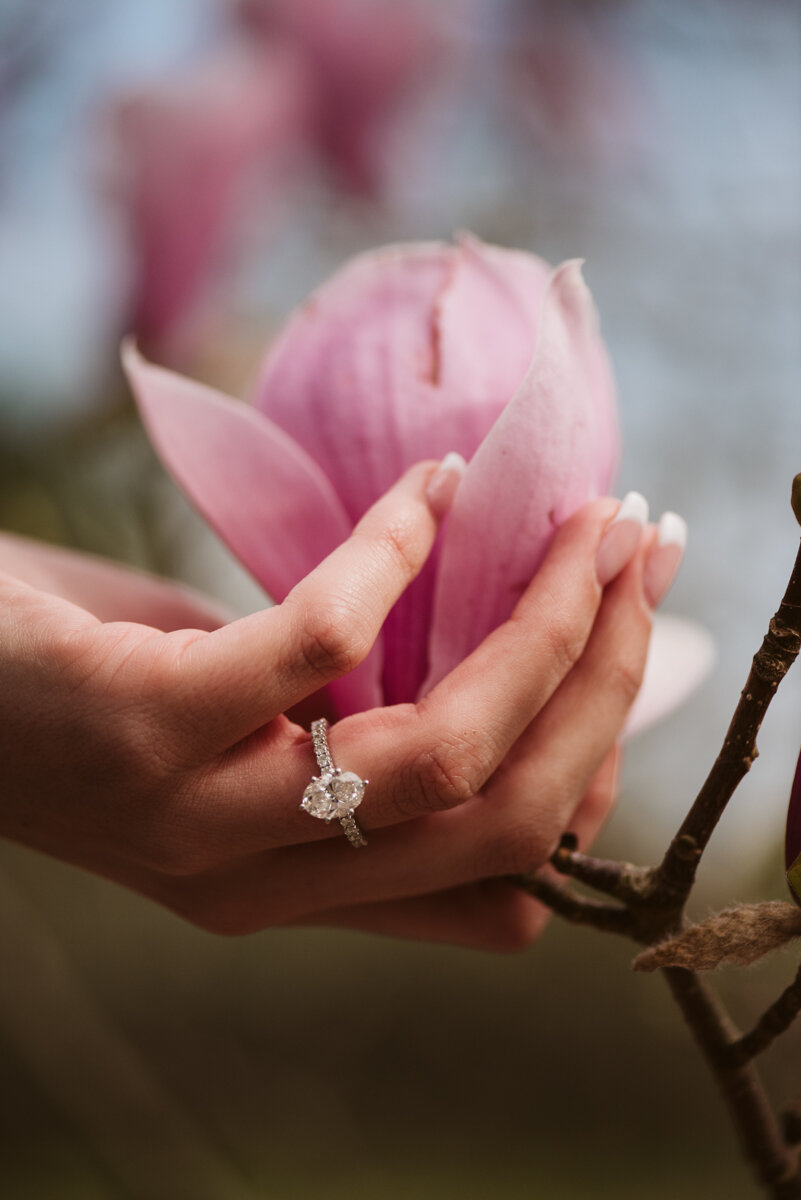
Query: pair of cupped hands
146	739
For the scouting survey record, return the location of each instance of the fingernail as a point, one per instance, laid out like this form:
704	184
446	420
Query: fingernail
442	485
664	557
622	537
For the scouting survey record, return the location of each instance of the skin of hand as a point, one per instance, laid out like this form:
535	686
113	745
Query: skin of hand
147	741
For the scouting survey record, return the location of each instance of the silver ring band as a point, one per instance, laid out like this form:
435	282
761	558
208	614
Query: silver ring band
333	794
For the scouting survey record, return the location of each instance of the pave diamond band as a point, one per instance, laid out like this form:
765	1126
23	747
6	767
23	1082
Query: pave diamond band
333	794
322	753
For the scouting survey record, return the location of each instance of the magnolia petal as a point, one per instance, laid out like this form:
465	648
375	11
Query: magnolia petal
263	495
486	326
268	501
405	353
493	297
406	638
552	449
792	842
350	377
680	656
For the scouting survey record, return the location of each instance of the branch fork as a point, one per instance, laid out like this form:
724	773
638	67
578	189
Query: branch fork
647	904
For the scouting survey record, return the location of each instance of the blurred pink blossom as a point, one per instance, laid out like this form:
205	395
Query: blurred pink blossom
186	150
568	84
407	353
365	59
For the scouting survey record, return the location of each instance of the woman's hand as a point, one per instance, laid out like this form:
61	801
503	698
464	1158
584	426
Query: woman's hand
161	756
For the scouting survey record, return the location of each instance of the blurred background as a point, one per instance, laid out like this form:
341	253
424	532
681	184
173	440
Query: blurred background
190	169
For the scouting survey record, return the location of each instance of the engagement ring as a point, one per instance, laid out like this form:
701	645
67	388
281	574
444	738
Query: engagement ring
333	794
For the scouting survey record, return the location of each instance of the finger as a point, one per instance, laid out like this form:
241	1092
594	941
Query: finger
594	808
394	887
107	590
568	751
439	753
598	802
235	680
29	607
564	748
490	915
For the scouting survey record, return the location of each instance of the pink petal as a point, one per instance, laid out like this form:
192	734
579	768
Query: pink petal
350	378
405	354
681	655
270	503
405	637
187	148
486	320
486	327
266	499
552	449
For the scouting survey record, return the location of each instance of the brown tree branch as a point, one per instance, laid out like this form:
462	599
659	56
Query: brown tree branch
577	909
674	877
623	881
775	1163
653	901
773	1022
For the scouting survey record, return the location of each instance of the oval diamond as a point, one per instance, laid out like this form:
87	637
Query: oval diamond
318	798
348	792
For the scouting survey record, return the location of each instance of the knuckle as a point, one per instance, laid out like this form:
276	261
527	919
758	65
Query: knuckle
565	642
398	541
450	772
332	644
626	675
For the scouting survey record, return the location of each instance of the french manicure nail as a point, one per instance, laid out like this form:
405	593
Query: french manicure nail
442	485
664	557
622	537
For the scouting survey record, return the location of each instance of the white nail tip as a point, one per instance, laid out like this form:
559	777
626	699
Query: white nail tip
452	461
672	530
633	507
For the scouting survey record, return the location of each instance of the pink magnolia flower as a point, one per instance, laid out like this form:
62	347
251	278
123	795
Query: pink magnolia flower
408	353
792	842
364	60
186	150
569	85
